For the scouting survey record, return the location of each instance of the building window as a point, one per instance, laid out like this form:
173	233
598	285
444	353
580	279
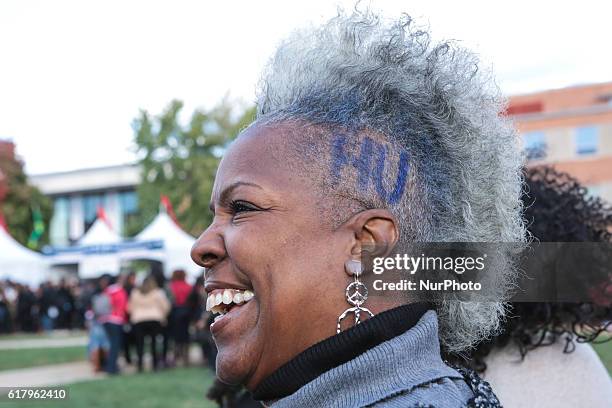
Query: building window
586	140
128	204
58	230
535	145
91	203
128	201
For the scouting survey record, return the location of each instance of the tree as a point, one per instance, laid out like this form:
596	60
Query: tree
21	204
180	161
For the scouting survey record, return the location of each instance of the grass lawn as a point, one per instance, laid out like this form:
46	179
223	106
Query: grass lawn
605	353
178	388
31	357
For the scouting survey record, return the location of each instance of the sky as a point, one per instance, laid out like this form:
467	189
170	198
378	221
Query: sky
74	74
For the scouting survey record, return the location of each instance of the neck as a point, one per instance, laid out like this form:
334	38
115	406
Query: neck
337	350
319	328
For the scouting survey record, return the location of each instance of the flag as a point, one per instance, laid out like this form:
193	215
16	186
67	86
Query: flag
39	228
166	206
101	214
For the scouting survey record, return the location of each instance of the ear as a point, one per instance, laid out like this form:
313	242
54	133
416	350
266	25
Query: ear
375	231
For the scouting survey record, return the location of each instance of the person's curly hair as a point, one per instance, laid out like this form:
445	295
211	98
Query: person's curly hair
362	83
557	209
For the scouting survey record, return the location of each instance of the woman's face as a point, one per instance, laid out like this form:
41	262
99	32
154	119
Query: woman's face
268	237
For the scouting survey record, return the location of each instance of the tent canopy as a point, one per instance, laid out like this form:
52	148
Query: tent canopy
18	262
162	227
177	243
101	250
100	233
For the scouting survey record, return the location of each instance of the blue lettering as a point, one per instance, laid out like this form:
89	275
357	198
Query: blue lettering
363	165
339	158
402	175
378	172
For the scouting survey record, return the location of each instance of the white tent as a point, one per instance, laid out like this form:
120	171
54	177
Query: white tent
101	250
177	244
19	263
100	233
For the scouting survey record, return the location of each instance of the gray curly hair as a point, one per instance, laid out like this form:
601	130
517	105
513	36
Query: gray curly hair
385	80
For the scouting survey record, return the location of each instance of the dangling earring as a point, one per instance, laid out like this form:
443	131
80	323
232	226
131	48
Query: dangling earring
356	293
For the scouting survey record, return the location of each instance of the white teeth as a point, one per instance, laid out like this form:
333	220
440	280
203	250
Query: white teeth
215	302
227	296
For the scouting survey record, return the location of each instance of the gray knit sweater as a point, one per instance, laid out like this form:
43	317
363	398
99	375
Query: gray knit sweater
406	371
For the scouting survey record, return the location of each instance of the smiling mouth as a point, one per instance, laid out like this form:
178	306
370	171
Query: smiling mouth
222	301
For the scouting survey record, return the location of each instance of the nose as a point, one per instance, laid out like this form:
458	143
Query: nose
209	248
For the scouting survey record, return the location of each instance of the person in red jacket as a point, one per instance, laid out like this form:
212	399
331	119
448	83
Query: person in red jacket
114	321
180	315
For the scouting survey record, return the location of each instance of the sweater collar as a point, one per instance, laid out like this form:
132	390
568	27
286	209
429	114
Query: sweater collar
406	361
338	349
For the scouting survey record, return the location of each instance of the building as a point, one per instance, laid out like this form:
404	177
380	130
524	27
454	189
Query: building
78	194
570	128
78	197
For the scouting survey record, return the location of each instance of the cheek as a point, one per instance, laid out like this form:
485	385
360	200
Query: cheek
291	266
248	246
260	245
308	278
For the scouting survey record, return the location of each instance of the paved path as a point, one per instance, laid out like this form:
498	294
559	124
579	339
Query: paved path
50	375
67	373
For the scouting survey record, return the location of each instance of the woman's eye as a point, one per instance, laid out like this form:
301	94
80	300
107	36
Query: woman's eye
242	206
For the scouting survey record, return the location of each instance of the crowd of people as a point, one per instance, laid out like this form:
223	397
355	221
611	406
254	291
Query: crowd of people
51	306
123	316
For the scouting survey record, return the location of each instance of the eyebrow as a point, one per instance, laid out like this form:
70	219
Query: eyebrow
227	191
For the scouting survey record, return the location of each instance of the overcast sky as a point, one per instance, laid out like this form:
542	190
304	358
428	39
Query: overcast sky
74	74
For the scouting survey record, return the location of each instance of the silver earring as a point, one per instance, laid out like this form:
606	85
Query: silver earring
356	294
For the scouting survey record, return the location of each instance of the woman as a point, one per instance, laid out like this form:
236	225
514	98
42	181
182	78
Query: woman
114	321
542	357
99	344
157	271
200	317
148	308
367	133
180	290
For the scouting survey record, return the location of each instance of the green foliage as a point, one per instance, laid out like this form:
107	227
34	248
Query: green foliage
20	200
180	161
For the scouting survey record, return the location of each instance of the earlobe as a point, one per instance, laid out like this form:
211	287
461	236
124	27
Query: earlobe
353	267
